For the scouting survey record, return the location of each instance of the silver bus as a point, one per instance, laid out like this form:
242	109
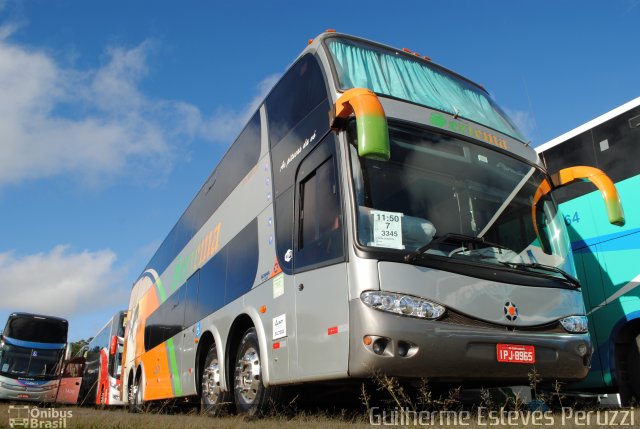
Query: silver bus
32	350
377	213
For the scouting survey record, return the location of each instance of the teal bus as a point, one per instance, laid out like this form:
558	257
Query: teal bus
606	255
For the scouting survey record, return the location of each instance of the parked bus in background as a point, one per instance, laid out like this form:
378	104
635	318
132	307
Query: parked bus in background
103	365
377	213
31	355
606	257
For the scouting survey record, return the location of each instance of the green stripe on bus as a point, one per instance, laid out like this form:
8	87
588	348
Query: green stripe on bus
175	374
161	293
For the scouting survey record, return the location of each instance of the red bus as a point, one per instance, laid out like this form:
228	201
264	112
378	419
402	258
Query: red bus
101	379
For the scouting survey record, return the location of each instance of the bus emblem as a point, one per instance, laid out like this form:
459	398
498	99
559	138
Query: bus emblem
510	311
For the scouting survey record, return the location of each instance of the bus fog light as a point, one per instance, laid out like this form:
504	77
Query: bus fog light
403	348
379	345
581	349
575	324
405	305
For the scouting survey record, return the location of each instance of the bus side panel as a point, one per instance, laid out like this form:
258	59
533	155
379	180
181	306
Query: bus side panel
157	374
606	259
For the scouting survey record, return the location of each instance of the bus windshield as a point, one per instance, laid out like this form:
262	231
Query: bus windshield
465	201
29	362
389	72
38	329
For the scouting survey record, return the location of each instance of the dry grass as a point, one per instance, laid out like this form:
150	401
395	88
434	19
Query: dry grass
85	417
395	404
118	418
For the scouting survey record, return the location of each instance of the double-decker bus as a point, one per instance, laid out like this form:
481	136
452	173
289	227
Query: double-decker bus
377	213
606	256
31	355
103	365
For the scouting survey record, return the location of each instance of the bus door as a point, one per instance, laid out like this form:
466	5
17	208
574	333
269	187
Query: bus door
190	335
71	380
319	267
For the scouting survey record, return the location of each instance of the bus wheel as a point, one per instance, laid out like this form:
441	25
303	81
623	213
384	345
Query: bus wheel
101	403
633	367
251	396
136	403
214	401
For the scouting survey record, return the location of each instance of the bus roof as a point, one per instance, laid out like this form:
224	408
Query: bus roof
42	316
589	125
404	51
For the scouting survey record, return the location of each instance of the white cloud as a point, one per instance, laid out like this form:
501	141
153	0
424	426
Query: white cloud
61	282
226	124
96	124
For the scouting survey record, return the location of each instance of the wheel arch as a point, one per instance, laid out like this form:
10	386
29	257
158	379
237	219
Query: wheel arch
249	318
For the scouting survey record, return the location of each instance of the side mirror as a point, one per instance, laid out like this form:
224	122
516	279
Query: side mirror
371	122
113	346
596	176
608	190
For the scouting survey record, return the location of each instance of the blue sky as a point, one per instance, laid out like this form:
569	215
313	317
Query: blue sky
112	114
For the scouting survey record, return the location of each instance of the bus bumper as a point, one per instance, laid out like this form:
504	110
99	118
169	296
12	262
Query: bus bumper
15	390
451	352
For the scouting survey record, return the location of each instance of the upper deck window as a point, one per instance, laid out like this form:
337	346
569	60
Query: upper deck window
299	92
393	73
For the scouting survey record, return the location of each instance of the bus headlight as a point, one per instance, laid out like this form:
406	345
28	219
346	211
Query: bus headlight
575	324
405	305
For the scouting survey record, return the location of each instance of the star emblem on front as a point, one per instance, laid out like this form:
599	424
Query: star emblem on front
510	311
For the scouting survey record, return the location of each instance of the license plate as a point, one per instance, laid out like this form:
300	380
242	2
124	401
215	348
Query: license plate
23	396
515	353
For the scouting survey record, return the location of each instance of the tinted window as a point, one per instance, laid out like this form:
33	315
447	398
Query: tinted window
212	279
284	228
241	157
191	299
577	151
37	329
166	321
239	160
319	214
122	323
74	368
609	147
617	146
242	262
298	93
101	340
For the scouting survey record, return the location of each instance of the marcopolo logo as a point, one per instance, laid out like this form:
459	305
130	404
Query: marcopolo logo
25	416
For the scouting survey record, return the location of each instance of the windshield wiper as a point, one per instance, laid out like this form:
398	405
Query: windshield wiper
452	237
535	266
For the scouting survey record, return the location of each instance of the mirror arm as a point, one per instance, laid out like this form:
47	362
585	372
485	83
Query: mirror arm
371	122
596	176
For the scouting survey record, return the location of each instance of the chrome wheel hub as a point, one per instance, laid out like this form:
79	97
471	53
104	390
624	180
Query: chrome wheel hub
248	375
211	383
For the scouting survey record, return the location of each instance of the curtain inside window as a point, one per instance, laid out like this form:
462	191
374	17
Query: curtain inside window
388	73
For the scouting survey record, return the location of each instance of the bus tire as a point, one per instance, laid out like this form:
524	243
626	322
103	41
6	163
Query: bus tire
633	368
130	407
101	399
251	397
136	395
213	400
